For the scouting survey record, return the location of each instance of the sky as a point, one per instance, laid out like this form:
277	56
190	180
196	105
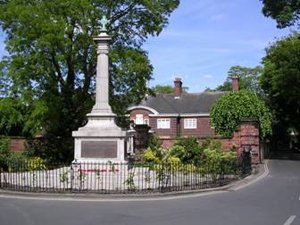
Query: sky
204	38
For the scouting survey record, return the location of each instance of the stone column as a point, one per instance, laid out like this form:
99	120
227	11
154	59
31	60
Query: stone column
102	80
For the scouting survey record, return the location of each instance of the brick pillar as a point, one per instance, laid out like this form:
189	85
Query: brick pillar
249	139
141	137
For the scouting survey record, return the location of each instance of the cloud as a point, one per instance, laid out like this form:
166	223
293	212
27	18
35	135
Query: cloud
254	43
218	17
207	76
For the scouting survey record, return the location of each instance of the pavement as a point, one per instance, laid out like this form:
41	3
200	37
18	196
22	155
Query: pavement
258	173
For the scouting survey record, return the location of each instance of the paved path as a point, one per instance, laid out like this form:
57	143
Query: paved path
270	201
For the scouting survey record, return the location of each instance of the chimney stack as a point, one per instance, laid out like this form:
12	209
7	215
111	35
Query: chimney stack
235	83
177	87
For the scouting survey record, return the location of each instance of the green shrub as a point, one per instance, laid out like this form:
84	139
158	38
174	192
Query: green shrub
172	160
154	155
187	156
19	162
188	150
217	162
130	182
154	142
35	163
16	162
4	153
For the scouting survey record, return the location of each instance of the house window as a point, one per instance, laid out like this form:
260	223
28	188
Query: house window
139	119
190	123
163	123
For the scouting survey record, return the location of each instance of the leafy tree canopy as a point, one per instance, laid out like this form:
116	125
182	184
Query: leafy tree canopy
166	89
249	79
281	81
285	12
52	58
228	111
11	116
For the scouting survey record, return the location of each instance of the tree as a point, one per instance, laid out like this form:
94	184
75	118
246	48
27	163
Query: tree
4	80
52	57
228	111
285	12
249	79
166	89
281	82
11	117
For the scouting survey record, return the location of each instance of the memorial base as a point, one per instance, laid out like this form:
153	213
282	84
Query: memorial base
100	140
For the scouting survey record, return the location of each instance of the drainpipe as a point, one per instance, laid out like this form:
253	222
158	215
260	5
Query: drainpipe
178	126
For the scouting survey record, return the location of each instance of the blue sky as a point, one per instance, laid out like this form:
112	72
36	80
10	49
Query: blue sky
205	38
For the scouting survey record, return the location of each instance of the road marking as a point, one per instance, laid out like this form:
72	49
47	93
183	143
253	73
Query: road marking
290	220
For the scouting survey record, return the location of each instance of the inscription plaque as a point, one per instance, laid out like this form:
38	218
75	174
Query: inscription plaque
99	149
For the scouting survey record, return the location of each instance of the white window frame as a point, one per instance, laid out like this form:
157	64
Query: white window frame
190	123
163	123
139	119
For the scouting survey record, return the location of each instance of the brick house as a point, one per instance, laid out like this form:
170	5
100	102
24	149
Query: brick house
187	114
178	114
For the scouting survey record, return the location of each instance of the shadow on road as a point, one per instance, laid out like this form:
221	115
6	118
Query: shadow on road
285	155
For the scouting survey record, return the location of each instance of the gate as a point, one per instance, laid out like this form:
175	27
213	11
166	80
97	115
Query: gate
246	160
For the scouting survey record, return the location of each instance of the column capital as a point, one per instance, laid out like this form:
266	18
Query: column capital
102	37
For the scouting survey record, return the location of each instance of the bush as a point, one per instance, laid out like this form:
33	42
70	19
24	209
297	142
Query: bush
160	156
154	142
35	163
16	162
188	150
217	162
19	162
4	153
149	156
188	156
54	149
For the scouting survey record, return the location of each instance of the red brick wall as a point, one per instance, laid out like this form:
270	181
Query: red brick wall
164	133
203	128
17	144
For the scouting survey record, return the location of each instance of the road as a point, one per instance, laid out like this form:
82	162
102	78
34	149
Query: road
272	200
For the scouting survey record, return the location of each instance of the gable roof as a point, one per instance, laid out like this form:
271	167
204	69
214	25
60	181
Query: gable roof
188	103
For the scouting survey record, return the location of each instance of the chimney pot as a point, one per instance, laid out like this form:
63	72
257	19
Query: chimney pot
235	83
177	87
